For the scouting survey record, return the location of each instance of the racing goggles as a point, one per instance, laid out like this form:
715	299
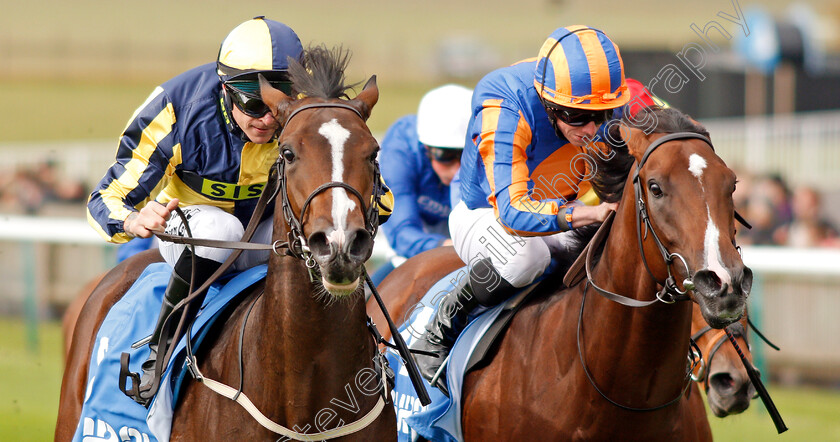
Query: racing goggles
443	155
250	104
245	94
577	117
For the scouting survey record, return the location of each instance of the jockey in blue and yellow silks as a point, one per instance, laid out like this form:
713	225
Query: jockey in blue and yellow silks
524	172
195	143
204	141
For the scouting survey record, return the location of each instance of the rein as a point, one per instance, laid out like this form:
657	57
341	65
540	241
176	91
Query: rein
717	341
297	247
694	363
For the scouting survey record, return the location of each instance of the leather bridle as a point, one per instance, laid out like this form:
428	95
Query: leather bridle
670	292
736	330
297	240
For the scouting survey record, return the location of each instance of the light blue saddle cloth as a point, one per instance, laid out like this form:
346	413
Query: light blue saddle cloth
440	420
107	413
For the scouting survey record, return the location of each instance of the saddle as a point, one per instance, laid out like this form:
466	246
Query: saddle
482	353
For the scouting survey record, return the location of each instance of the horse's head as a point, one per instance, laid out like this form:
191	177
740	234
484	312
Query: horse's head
686	191
723	376
329	165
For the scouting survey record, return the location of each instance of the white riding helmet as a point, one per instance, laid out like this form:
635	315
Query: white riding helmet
443	116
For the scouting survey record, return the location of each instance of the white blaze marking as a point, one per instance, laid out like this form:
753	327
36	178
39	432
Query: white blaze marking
712	257
337	135
696	164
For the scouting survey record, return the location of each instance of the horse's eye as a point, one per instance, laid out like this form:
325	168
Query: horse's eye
288	155
372	157
655	190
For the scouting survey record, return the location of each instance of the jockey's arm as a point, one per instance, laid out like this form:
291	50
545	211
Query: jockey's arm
142	166
405	232
502	145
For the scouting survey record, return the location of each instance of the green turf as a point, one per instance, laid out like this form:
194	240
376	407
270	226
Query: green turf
30	383
809	413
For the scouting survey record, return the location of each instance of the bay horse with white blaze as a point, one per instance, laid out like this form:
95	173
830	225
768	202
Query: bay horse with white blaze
573	365
721	374
304	340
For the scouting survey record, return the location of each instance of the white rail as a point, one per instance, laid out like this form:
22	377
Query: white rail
767	259
803	148
794	297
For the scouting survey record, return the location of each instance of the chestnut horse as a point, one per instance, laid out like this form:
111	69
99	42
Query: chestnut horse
721	373
566	370
305	340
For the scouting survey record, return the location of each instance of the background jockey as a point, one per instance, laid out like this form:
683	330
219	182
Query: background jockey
524	172
204	141
420	155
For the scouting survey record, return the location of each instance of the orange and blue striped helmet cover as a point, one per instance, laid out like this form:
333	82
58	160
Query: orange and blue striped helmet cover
580	67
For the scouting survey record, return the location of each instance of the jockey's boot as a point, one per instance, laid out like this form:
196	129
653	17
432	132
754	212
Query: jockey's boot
482	286
176	291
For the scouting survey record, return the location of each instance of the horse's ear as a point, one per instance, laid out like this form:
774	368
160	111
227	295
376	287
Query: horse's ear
368	97
637	141
274	98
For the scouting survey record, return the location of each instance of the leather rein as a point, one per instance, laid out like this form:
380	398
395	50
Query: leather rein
737	330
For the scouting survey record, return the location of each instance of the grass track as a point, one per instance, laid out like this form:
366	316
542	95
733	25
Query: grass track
30	383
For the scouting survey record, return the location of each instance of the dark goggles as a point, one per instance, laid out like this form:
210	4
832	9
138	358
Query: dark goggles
576	117
245	94
443	155
249	104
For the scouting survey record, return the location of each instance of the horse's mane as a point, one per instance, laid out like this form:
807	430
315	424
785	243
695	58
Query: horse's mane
321	72
611	175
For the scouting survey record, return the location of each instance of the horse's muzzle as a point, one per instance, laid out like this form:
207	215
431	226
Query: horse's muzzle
340	255
722	303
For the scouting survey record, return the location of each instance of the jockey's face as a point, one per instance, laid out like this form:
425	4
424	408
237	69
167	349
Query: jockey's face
259	130
446	170
578	135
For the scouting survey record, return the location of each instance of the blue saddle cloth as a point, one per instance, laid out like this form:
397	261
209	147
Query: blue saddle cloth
440	420
107	413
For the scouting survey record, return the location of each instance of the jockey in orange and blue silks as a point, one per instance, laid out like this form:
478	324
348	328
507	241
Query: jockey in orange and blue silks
519	162
524	172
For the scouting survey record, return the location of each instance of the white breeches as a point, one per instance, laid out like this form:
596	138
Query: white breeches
477	234
214	223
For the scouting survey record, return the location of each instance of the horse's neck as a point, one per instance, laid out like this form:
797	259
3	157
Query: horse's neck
313	346
657	335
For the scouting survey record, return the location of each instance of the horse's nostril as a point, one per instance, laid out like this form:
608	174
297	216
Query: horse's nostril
746	280
360	245
722	381
318	244
707	281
